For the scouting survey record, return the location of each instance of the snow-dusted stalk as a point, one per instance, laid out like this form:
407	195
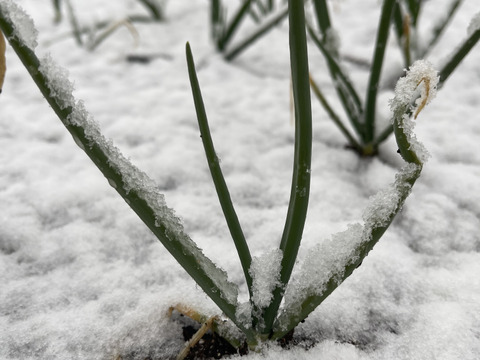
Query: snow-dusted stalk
330	263
134	186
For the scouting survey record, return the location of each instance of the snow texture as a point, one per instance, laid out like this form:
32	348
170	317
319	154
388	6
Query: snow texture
324	262
383	205
82	278
61	88
25	31
265	272
420	86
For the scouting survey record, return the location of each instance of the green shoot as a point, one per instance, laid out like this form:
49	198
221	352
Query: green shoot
215	170
299	196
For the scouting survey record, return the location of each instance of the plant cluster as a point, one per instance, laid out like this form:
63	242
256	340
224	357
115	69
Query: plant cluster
276	304
404	16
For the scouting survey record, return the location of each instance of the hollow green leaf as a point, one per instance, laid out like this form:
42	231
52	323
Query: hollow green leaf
217	176
299	196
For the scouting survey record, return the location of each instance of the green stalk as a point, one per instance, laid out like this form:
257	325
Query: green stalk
457	57
217	176
154	9
323	17
171	235
333	115
230	29
217	20
74	23
232	54
343	86
297	209
373	83
58	11
440	27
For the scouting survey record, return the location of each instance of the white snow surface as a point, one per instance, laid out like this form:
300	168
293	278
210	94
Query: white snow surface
82	278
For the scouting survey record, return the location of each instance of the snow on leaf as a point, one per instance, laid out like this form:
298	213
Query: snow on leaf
265	272
133	179
419	86
325	261
385	204
25	31
60	86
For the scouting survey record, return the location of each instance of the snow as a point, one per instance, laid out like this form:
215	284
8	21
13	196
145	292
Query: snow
420	86
324	262
81	276
61	88
265	273
25	30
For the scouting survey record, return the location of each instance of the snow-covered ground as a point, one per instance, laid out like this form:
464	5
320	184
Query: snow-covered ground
81	277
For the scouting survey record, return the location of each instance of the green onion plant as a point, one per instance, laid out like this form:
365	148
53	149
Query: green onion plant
363	134
275	310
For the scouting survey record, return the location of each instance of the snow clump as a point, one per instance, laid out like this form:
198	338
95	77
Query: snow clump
412	93
61	88
265	272
324	262
25	31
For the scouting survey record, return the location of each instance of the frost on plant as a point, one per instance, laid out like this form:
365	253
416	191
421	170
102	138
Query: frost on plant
387	202
324	262
60	86
265	272
24	28
412	93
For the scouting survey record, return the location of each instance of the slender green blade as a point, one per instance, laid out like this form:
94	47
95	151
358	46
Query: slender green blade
262	30
458	55
333	115
348	96
440	27
233	26
375	71
216	172
299	196
323	16
154	8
